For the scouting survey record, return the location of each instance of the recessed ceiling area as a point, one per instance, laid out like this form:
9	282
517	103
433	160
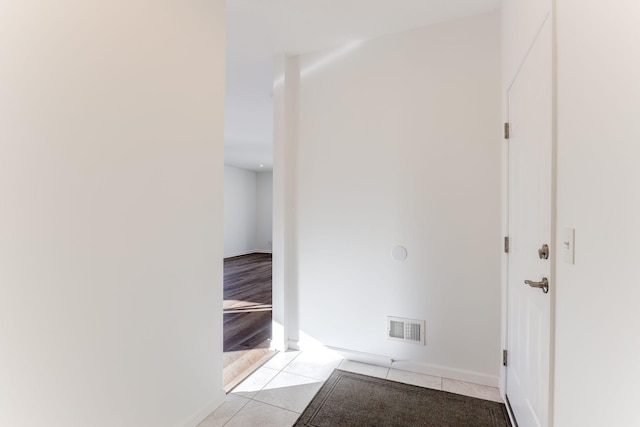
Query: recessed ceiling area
259	29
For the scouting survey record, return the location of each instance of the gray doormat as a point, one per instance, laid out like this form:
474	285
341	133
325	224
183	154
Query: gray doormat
349	399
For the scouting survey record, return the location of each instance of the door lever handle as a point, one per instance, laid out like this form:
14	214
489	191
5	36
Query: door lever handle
543	284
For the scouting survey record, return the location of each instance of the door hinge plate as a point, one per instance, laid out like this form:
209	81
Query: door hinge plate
506	244
505	355
506	131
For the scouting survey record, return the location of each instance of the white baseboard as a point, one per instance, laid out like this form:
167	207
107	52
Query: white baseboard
446	372
238	253
358	356
293	345
418	367
253	251
208	409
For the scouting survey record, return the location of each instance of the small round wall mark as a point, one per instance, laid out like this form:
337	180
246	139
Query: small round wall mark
399	253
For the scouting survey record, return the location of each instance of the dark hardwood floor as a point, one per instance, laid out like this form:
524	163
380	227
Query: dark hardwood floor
247	302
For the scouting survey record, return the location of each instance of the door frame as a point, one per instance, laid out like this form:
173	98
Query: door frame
553	258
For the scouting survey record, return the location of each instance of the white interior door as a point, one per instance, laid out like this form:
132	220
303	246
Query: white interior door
530	145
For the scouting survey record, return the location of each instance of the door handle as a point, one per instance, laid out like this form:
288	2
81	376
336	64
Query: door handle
543	284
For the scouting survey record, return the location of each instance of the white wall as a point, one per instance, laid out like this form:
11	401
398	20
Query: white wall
521	21
247	211
240	198
111	215
264	208
399	144
597	319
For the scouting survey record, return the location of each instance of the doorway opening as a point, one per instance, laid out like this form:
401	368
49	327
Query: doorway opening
247	286
248	194
247	308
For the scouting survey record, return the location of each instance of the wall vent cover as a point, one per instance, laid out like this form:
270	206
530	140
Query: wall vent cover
406	330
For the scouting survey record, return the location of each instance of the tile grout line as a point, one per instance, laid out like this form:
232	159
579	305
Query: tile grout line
279	407
238	411
305	376
262	388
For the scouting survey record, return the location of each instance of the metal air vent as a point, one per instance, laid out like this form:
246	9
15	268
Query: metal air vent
406	330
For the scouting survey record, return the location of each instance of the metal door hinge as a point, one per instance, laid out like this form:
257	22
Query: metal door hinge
506	131
505	355
506	244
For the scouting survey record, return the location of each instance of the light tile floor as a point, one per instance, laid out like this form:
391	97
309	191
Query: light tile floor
277	393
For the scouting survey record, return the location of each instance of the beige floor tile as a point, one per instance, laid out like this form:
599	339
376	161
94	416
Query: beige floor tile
289	391
472	390
255	382
225	412
260	414
413	378
318	365
364	369
281	360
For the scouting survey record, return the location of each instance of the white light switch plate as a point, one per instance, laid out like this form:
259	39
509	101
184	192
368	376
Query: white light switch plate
568	245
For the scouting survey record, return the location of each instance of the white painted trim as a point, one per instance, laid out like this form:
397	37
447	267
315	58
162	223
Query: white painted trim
446	372
554	214
254	251
512	418
504	267
359	356
235	254
206	411
278	330
293	345
285	330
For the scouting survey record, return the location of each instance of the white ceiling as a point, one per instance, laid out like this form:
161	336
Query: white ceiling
259	29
